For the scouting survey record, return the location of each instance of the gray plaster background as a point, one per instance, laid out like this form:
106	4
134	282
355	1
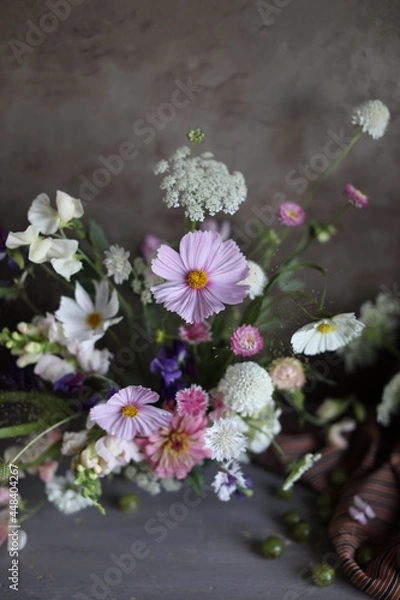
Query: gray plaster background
267	95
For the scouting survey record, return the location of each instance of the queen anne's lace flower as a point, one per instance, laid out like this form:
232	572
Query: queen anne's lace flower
200	185
247	388
63	492
373	117
117	263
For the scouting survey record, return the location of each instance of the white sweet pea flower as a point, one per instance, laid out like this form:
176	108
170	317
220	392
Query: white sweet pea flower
22	238
48	220
91	359
61	254
84	320
51	368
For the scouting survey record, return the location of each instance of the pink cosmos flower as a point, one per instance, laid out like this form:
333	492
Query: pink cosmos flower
202	277
355	197
246	341
126	415
290	214
195	333
287	373
192	401
211	224
175	449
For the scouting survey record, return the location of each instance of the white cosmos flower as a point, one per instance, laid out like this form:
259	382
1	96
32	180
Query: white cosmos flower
84	320
326	334
48	220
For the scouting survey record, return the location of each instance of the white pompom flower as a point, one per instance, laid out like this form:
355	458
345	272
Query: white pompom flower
117	263
373	117
247	388
327	334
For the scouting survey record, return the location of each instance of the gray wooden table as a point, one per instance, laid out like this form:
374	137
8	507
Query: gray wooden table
178	546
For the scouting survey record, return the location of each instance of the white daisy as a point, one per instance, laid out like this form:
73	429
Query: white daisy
326	334
229	480
390	403
373	117
256	280
117	263
67	496
247	388
84	320
225	439
48	220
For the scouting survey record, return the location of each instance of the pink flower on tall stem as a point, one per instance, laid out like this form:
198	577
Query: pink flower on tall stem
126	413
195	333
192	401
355	197
175	449
246	341
202	277
290	214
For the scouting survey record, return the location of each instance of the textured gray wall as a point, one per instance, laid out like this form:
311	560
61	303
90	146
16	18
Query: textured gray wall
267	94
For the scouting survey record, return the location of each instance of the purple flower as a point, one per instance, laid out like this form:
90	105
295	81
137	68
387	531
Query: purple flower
203	277
355	197
290	214
69	383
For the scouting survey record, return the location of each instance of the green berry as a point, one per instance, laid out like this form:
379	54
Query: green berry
363	555
338	477
324	500
300	532
291	517
323	575
129	503
284	494
272	547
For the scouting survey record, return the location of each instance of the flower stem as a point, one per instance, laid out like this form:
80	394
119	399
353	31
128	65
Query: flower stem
333	166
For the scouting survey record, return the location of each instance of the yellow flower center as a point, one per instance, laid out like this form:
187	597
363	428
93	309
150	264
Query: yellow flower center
326	328
94	320
197	279
177	442
129	411
292	214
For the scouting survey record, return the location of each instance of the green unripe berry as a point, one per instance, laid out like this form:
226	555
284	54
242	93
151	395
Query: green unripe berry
292	517
301	531
323	575
363	555
129	503
272	547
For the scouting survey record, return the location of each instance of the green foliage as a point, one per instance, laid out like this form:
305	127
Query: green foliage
196	478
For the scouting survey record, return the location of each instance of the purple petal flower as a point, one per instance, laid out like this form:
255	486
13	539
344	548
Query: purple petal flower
69	383
290	214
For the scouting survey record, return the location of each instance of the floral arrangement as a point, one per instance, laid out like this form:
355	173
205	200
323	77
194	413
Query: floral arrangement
153	367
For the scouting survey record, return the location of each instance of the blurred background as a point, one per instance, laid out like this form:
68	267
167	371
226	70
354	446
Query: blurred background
94	92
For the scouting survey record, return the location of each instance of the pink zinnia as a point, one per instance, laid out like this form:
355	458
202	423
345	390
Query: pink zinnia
246	341
195	333
174	450
126	415
192	401
355	197
202	277
290	214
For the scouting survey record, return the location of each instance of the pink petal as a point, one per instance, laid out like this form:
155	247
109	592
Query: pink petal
168	264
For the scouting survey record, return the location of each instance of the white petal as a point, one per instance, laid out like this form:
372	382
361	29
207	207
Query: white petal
38	250
43	216
50	367
68	207
101	300
83	299
66	267
62	249
22	238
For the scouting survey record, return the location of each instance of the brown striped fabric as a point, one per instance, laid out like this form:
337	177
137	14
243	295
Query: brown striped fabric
372	464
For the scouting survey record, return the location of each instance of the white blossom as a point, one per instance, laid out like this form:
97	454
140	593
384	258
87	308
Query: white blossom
117	264
327	334
67	496
373	117
225	439
390	403
247	388
256	280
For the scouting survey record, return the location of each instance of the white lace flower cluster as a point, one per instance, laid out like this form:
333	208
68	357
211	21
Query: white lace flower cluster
200	185
45	220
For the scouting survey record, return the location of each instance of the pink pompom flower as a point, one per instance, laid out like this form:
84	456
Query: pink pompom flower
290	214
287	373
175	449
355	197
195	333
192	401
127	415
246	341
202	277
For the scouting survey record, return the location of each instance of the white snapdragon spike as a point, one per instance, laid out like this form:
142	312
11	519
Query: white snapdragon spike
256	280
62	255
201	185
117	264
390	403
228	481
373	117
247	388
84	320
48	220
327	334
51	368
66	495
225	439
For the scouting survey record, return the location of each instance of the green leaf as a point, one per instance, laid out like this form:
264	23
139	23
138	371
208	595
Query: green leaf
252	311
196	479
19	430
96	237
8	293
298	399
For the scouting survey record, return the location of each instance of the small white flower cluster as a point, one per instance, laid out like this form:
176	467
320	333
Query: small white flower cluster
143	279
373	117
117	264
381	319
200	185
390	403
247	388
67	496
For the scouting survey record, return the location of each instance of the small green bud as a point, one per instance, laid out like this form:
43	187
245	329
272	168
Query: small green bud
196	136
323	232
